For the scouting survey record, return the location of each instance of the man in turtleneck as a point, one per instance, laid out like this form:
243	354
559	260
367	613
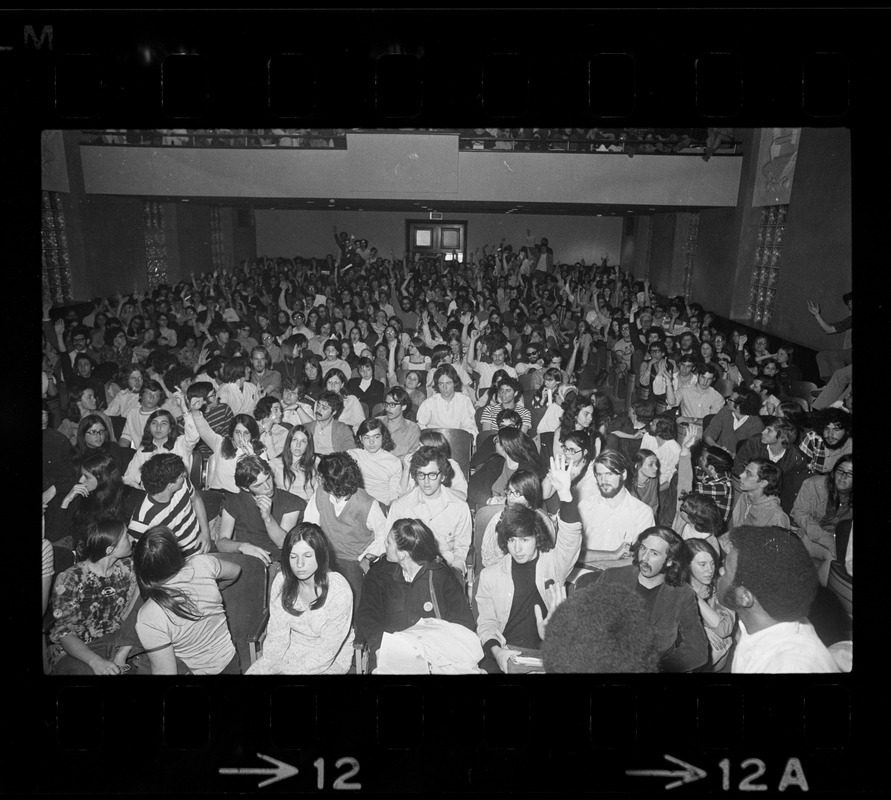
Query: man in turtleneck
510	589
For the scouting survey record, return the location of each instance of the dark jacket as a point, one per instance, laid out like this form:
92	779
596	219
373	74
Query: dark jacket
793	468
680	636
389	604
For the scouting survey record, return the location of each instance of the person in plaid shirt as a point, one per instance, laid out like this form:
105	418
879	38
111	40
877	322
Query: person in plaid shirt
824	449
712	477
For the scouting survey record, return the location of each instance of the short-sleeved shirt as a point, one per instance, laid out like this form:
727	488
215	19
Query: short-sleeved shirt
249	526
204	645
177	514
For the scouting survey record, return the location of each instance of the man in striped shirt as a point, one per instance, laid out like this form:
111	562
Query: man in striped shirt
171	501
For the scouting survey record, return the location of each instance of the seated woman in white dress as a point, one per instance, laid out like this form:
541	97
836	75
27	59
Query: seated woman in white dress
310	611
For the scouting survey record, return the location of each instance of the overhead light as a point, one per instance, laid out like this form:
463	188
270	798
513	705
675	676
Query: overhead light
184	199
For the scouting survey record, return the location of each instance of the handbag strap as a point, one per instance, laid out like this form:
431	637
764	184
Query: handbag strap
433	594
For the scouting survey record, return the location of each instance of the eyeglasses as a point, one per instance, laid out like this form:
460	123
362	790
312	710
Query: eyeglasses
392	405
100	432
844	473
570	450
427	476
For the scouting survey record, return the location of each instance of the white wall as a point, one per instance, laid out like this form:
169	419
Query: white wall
309	233
411	166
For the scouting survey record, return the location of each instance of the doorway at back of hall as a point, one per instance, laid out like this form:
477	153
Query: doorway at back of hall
429	238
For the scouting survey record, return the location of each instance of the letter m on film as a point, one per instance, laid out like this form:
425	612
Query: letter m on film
46	34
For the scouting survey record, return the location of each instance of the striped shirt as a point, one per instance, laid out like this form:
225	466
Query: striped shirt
177	514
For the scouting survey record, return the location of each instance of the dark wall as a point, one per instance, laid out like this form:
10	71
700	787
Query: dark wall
193	239
662	248
113	246
715	260
817	258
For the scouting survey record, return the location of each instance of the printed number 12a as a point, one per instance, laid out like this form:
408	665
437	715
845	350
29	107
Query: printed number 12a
341	781
792	776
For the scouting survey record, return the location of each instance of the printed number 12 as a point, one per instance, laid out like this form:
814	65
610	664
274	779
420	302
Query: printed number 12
342	781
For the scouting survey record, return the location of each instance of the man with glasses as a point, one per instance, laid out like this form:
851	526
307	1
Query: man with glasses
404	433
437	506
611	517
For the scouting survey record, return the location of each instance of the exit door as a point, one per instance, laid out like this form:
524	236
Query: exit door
429	239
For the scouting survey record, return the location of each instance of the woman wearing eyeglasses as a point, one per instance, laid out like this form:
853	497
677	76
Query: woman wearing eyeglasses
579	456
524	488
92	438
81	402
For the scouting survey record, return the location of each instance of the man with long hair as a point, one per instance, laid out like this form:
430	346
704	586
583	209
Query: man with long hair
656	574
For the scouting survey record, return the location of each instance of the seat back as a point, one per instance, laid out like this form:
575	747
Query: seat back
842	586
461	444
803	389
581	576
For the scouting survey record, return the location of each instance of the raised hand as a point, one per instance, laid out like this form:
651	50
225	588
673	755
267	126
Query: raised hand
560	473
814	308
556	594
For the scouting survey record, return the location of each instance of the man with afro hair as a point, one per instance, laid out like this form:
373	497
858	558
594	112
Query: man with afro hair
770	581
602	628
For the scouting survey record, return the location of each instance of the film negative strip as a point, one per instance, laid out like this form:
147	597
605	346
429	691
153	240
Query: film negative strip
432	70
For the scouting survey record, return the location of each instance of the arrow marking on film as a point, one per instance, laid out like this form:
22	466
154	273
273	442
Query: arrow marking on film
281	771
687	775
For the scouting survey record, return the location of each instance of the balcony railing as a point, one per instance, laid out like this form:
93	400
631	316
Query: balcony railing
630	143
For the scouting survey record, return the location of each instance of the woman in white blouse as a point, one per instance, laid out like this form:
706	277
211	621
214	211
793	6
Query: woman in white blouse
310	611
448	408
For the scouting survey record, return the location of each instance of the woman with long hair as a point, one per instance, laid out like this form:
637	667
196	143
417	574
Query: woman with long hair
578	451
698	517
314	383
92	438
161	436
81	402
98	495
822	503
295	472
129	382
412	582
517	451
643	479
310	611
579	414
701	566
524	488
352	414
91	600
182	623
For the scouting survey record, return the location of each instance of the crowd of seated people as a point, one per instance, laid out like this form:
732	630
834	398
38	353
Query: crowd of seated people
704	141
413	460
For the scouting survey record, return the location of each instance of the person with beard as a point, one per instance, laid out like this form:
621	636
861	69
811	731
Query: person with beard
770	581
833	441
759	502
611	517
329	434
657	575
